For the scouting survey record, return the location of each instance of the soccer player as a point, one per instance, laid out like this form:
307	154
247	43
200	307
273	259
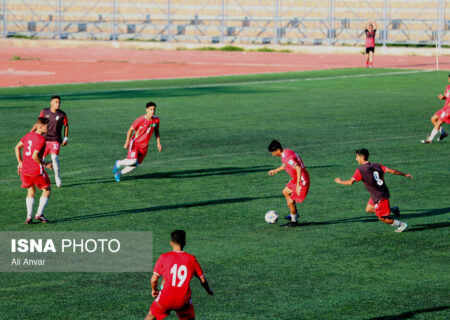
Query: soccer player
372	175
31	168
440	117
298	187
57	119
177	268
137	144
370	31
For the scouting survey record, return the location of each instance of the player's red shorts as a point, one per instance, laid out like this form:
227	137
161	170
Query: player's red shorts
42	181
51	147
136	151
382	208
444	114
185	313
298	198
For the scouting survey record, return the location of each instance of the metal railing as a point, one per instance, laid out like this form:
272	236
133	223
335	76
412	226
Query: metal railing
229	21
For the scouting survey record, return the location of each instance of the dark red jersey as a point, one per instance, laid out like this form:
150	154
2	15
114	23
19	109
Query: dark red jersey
56	122
370	38
372	175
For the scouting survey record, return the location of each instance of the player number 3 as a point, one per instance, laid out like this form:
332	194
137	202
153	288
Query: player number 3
376	175
28	153
181	274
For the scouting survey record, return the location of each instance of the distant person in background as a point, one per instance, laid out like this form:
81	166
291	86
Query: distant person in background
440	117
370	30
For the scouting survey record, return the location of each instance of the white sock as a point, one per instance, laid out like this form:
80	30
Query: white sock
294	217
30	203
42	204
55	163
126	162
396	223
433	134
127	169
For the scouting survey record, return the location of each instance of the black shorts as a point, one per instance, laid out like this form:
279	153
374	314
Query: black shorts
370	49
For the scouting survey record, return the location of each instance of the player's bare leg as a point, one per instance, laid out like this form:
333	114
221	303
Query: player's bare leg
150	316
367	60
42	204
30	202
401	226
370	59
292	208
436	129
55	163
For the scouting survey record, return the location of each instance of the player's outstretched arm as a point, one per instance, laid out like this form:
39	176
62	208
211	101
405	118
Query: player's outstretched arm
154	284
127	141
375	27
399	173
18	150
348	182
206	285
275	171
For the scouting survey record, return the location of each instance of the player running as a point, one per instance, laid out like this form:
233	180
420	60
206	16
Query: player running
440	117
298	187
370	31
372	175
31	169
137	144
57	119
177	268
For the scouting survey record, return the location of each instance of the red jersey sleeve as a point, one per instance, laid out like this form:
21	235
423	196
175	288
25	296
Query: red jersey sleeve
136	123
41	114
198	269
159	267
385	169
357	175
65	121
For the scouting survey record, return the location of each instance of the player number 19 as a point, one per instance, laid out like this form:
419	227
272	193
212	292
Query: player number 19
376	175
181	274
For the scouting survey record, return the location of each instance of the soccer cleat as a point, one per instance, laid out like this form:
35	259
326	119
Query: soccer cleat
290	224
41	218
443	136
426	141
29	221
117	177
396	211
116	167
402	227
288	217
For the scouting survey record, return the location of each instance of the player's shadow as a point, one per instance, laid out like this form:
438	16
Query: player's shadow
410	314
198	173
430	226
348	220
425	212
161	208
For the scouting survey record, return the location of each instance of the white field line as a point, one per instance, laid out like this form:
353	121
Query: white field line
162	162
214	85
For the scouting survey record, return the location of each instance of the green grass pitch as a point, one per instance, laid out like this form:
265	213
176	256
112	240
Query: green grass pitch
211	180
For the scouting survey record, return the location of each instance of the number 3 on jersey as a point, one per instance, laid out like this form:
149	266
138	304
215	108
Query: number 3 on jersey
376	176
178	273
28	153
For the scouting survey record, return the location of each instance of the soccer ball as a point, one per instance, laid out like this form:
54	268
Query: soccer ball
271	216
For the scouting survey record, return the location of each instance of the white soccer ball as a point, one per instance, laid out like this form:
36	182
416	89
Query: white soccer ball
271	216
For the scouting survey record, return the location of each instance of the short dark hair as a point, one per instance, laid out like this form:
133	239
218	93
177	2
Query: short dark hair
42	120
150	104
274	145
179	236
363	152
55	97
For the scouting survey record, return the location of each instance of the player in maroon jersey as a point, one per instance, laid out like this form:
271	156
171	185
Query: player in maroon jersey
31	168
372	175
137	144
298	187
440	117
177	268
370	31
57	120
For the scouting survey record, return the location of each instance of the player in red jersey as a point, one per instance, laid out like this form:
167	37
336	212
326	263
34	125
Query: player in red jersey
370	31
177	268
137	144
298	187
31	168
57	119
372	175
440	117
